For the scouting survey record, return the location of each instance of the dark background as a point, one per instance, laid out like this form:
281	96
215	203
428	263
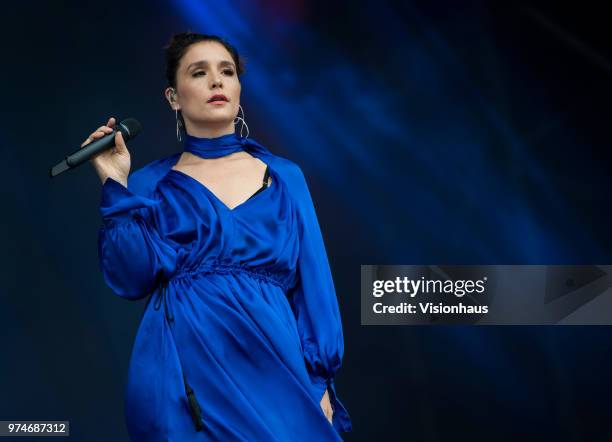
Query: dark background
430	132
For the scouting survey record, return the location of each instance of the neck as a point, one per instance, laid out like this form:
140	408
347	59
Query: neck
214	147
210	130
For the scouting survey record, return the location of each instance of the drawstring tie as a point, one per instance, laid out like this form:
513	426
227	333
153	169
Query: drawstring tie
194	406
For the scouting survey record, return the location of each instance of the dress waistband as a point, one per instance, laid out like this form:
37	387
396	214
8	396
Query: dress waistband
206	268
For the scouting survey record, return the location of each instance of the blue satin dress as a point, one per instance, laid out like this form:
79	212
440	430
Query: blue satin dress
241	333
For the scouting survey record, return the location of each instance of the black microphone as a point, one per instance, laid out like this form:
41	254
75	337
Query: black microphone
129	128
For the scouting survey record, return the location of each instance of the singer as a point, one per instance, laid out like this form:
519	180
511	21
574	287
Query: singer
241	336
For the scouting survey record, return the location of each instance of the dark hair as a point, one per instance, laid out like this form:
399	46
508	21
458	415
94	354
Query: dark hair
178	45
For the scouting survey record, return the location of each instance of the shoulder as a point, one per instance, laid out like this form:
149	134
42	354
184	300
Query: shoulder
289	169
295	181
143	181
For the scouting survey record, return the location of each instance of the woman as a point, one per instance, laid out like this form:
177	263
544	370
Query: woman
243	337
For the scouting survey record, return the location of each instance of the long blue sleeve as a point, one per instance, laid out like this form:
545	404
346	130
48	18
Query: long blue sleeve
130	252
315	305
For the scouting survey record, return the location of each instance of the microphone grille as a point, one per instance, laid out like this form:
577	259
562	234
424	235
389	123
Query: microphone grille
132	126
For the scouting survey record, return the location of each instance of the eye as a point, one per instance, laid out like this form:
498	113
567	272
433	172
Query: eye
197	74
228	71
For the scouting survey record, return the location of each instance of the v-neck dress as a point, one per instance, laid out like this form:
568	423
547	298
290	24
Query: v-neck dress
241	333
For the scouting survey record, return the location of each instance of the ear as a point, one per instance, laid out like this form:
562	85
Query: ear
172	99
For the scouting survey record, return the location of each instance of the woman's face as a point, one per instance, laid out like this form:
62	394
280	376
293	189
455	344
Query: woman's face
206	69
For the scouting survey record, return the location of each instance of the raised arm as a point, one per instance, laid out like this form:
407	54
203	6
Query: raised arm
131	254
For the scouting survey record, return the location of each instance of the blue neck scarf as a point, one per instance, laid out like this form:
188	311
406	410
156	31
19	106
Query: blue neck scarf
214	147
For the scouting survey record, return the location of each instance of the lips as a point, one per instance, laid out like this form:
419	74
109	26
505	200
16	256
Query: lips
217	97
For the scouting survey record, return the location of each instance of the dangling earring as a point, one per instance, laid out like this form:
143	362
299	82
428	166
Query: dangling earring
237	119
179	138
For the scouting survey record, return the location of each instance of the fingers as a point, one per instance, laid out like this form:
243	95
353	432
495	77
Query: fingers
329	415
328	412
327	407
119	142
100	132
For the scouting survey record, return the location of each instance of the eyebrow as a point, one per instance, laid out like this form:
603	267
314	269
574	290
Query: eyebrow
205	63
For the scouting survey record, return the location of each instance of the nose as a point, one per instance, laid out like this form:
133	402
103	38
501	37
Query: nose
216	82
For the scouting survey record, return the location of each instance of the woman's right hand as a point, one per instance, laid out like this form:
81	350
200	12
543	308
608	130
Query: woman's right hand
114	162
